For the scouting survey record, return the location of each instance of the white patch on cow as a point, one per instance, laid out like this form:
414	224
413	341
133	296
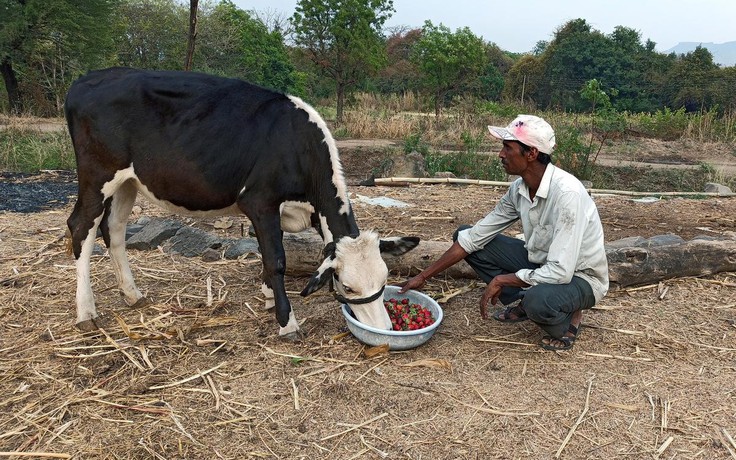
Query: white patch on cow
296	216
85	297
291	326
326	233
120	177
268	294
360	267
122	203
338	177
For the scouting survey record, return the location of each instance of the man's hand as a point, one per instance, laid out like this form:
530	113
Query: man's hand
413	283
493	290
491	293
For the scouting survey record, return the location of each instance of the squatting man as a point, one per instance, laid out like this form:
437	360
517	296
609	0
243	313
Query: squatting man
560	268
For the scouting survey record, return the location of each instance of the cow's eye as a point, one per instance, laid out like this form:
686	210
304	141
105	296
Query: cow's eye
348	290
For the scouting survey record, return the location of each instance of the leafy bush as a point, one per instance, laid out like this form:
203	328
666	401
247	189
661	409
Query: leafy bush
665	124
414	143
573	154
466	165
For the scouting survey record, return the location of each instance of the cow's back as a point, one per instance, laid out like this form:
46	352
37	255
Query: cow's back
194	140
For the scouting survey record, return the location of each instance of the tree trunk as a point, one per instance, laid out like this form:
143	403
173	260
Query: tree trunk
11	86
437	99
628	266
340	101
193	5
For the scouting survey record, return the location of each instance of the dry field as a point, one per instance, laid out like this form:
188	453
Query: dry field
201	373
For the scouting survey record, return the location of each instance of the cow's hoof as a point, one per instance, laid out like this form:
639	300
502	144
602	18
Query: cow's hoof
142	302
87	326
294	336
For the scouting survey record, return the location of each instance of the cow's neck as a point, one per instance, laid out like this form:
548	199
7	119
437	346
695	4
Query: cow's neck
335	225
335	218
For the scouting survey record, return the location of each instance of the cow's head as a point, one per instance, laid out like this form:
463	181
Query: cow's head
360	273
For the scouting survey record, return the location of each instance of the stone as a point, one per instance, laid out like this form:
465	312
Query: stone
409	165
192	242
153	233
241	247
211	255
445	175
712	187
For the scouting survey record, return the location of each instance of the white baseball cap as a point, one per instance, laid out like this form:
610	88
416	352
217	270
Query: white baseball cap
529	130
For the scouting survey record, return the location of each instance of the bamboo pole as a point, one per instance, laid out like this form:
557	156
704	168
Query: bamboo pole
455	180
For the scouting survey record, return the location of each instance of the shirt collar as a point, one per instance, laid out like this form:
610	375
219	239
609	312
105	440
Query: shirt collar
543	190
544	185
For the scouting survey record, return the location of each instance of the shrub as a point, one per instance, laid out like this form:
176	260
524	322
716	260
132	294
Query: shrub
664	124
466	165
30	151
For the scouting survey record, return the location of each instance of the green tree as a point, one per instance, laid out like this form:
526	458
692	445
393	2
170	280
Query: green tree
576	54
152	34
690	81
449	62
232	42
44	44
400	75
343	38
525	80
491	80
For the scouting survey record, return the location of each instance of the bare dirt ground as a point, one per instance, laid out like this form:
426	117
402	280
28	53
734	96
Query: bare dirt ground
651	376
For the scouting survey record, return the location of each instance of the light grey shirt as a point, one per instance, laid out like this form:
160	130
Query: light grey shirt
562	231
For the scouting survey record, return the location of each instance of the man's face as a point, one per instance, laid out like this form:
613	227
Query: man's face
513	158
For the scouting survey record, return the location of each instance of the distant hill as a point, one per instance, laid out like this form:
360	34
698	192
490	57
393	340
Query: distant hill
723	53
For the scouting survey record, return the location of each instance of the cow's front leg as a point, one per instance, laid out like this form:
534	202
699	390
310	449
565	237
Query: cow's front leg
269	234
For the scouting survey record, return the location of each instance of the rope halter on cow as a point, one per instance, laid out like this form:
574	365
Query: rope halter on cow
357	301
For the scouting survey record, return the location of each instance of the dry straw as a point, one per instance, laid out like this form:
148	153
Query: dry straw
201	372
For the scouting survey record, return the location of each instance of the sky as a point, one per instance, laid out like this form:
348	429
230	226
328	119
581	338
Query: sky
517	26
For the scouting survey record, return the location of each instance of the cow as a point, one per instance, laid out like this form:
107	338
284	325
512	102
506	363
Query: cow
203	145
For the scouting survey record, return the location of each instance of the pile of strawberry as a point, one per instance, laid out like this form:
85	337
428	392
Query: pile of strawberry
407	316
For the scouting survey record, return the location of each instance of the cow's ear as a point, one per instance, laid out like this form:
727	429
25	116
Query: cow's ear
397	246
321	276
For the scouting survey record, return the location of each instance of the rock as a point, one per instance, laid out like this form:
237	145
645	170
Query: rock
153	233
241	247
132	229
211	255
587	184
445	175
712	187
192	242
409	165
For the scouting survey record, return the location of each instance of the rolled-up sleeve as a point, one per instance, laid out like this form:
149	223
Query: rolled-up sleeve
502	216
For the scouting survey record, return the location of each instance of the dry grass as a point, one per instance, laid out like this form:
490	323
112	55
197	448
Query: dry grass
202	374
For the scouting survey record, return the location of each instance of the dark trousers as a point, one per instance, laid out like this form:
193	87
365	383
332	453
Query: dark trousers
549	305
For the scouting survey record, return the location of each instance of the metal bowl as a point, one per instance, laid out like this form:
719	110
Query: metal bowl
396	340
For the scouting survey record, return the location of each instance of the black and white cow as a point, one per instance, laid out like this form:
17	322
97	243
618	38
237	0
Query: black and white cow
208	146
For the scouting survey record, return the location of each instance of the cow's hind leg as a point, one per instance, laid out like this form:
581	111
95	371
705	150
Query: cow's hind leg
83	223
114	223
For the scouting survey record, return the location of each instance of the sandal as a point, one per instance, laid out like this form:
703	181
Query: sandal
567	341
516	310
